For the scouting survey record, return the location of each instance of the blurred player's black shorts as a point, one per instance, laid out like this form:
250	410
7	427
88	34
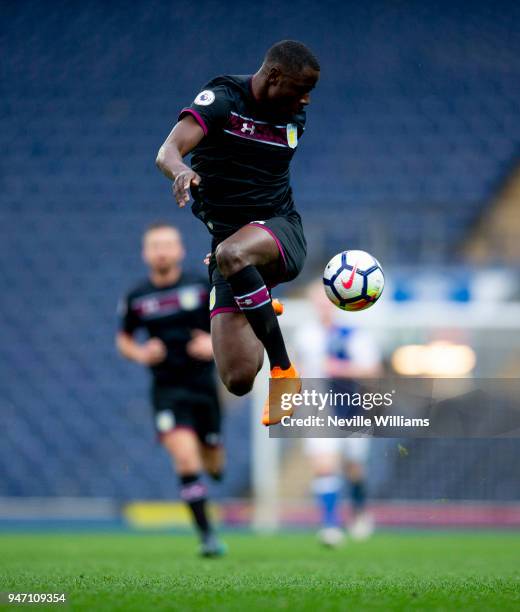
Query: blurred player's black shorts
182	408
288	234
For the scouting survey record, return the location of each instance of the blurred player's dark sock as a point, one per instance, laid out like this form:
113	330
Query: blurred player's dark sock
253	299
327	490
193	492
358	496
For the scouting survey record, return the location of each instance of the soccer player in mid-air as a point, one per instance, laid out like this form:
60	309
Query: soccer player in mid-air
171	305
243	132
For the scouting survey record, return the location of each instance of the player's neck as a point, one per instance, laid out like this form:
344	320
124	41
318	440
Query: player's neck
257	86
163	279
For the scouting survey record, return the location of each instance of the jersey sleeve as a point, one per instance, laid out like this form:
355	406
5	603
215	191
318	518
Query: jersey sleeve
210	108
128	321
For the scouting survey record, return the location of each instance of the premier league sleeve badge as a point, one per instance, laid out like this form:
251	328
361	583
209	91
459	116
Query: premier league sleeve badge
292	135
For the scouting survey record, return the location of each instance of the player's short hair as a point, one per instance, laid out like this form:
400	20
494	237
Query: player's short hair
293	55
160	225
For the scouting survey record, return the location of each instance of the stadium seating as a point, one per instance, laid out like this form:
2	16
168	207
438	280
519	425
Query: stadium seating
415	122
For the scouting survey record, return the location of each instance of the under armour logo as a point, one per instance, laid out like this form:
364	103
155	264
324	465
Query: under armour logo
246	128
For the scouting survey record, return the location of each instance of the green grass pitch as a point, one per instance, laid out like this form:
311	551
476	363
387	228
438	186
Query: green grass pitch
392	571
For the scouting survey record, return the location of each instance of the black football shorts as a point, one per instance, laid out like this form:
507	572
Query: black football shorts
177	407
287	232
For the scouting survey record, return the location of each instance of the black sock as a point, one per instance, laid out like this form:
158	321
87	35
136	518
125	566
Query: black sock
193	492
358	496
253	299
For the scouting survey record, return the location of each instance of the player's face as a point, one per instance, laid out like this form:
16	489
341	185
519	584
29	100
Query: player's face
290	93
162	249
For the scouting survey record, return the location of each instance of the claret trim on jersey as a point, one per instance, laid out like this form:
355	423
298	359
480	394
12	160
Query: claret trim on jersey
259	131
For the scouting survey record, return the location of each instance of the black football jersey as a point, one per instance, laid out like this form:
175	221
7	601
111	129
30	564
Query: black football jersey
243	159
171	313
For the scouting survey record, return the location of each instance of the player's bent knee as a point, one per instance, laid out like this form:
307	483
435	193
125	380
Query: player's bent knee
231	258
238	383
186	464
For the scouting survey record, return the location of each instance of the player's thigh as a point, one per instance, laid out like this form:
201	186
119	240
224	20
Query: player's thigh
355	454
356	450
238	352
182	444
250	245
175	425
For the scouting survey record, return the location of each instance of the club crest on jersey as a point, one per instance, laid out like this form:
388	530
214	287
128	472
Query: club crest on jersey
189	298
205	98
292	135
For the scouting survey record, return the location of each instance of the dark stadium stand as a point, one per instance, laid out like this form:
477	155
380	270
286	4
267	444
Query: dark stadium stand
405	145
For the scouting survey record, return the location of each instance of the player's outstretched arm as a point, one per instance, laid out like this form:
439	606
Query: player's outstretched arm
184	137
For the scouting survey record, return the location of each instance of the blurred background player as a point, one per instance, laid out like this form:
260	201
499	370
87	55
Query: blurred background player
172	306
338	353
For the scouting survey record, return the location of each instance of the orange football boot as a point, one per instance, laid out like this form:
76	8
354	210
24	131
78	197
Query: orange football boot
273	412
277	307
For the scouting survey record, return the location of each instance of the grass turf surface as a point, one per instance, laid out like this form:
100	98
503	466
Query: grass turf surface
409	571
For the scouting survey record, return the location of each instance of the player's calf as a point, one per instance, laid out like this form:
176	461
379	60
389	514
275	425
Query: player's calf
239	380
238	353
253	299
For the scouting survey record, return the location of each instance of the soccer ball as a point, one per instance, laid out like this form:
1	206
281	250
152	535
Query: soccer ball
353	280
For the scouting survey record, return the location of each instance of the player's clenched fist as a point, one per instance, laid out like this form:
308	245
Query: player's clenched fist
153	352
200	347
182	184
